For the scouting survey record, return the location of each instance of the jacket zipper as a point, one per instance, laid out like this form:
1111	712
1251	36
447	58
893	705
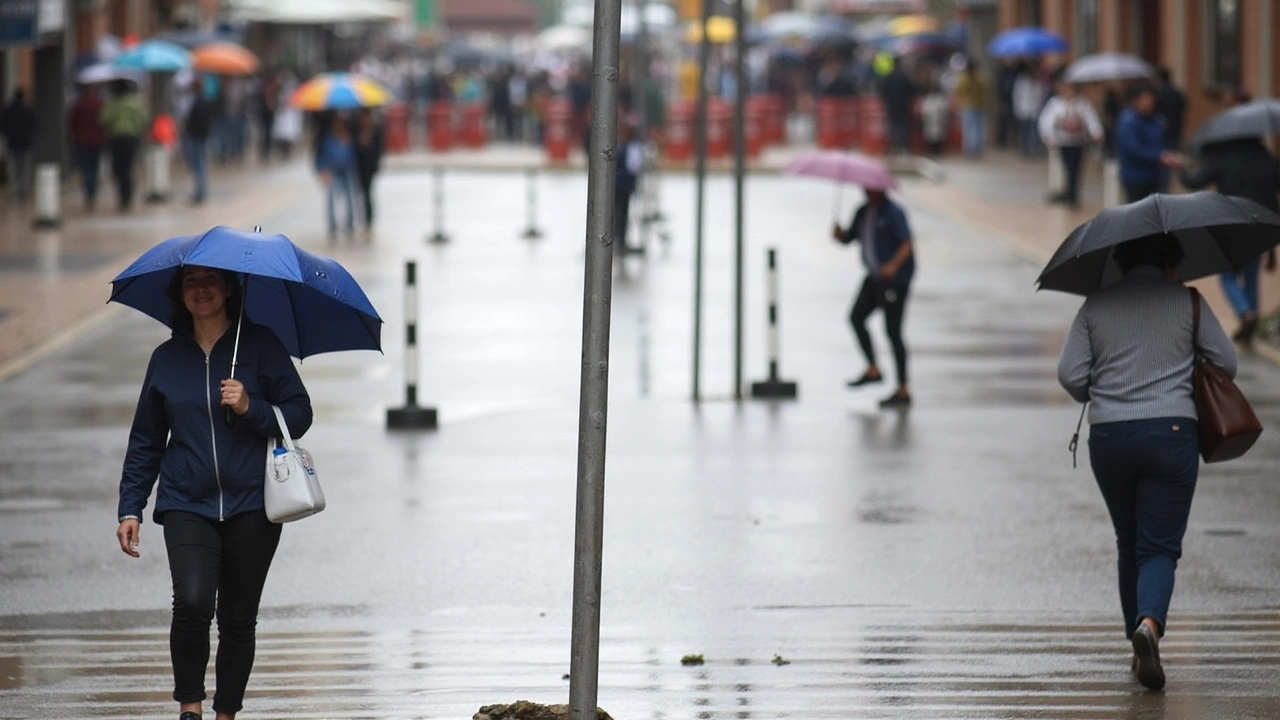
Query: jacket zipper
213	437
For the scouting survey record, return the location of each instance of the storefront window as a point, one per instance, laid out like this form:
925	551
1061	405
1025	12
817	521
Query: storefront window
1224	43
1086	41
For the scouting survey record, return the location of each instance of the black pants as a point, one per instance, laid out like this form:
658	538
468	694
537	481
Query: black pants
366	195
621	218
220	565
1072	156
892	299
124	148
1133	192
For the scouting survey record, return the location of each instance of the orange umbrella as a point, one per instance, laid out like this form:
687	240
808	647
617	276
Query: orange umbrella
224	58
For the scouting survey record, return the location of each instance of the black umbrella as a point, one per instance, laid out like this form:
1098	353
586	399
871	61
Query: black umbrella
1219	233
1251	120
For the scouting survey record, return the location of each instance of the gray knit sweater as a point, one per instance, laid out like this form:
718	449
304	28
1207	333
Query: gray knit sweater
1129	350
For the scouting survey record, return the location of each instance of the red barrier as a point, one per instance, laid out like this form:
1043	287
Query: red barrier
557	129
753	130
677	144
875	126
440	126
848	124
827	123
475	128
397	128
955	136
719	128
775	126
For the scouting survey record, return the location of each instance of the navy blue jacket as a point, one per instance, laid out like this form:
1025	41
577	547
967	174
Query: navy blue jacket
890	232
1139	143
180	438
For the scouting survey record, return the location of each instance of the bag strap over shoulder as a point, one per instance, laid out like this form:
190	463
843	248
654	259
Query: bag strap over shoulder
284	429
1195	321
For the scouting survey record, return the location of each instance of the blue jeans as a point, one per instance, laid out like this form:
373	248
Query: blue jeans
340	186
196	152
88	161
1147	472
1029	134
1242	288
973	125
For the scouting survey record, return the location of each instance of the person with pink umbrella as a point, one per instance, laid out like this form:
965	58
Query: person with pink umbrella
881	227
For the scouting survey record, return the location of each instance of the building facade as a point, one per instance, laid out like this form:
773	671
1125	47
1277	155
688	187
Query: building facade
1211	47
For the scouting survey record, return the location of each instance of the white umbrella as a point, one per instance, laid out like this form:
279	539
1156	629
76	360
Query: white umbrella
106	72
789	24
564	37
1106	67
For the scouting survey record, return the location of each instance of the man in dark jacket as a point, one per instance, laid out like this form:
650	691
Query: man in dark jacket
195	142
881	226
88	139
899	94
1172	106
1244	168
630	162
18	125
1141	147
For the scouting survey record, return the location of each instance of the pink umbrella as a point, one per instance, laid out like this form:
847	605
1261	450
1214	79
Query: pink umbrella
843	167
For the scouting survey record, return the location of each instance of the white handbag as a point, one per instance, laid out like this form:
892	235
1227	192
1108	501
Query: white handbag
291	487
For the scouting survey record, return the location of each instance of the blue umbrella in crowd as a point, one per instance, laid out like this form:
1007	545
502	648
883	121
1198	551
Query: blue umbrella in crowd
154	56
1026	42
311	302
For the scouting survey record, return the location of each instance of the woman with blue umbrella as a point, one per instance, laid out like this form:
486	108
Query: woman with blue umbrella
239	305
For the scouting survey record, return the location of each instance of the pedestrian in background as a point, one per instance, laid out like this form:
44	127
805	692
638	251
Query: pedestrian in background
628	169
267	100
1068	125
368	148
1129	353
1141	147
195	142
1029	92
887	253
971	98
88	140
286	129
209	475
125	119
899	94
1006	122
1244	168
18	125
935	113
336	166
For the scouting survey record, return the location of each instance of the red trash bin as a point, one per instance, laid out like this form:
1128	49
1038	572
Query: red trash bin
677	142
955	132
475	129
827	123
440	126
397	128
848	121
875	129
719	128
557	129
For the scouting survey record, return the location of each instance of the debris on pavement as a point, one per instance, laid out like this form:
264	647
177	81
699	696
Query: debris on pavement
691	660
525	710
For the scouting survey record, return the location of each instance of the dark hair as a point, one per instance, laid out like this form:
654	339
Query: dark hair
180	317
1161	250
1138	89
1163	73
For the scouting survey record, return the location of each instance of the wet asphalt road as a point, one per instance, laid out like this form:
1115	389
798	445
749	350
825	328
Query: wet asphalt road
945	562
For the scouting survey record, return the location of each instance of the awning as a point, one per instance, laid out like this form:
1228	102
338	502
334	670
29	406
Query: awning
317	12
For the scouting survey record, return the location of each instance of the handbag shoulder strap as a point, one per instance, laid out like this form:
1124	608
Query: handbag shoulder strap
284	429
1195	321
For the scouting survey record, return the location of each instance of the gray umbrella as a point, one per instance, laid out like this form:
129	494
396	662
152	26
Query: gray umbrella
1108	67
1218	233
1259	118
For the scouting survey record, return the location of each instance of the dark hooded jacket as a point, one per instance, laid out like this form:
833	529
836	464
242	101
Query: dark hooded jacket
1244	168
180	438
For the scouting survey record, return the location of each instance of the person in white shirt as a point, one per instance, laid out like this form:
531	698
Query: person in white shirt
1028	99
1068	125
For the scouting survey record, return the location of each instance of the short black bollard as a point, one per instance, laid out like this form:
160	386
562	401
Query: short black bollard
773	388
532	232
437	199
411	416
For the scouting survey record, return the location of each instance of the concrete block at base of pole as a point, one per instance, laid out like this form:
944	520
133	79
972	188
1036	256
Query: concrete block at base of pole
1111	183
774	389
412	417
48	198
158	175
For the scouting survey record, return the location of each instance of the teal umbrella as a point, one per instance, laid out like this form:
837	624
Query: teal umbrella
154	56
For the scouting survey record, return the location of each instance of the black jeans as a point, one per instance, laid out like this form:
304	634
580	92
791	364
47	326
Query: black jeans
124	148
223	565
366	195
1072	156
893	300
621	218
1135	192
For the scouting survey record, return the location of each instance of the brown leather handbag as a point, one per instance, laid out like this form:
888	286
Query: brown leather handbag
1228	425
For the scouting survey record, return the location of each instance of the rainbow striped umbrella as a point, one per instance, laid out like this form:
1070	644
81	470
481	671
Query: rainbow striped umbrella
339	91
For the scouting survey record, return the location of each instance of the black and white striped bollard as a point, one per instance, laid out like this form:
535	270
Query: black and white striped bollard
532	232
773	388
411	416
437	199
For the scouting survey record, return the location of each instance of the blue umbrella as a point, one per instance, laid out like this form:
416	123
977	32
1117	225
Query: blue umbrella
311	302
1026	42
154	56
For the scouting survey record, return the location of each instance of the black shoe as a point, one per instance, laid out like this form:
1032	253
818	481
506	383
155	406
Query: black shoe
188	716
866	379
1246	331
897	400
1146	655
